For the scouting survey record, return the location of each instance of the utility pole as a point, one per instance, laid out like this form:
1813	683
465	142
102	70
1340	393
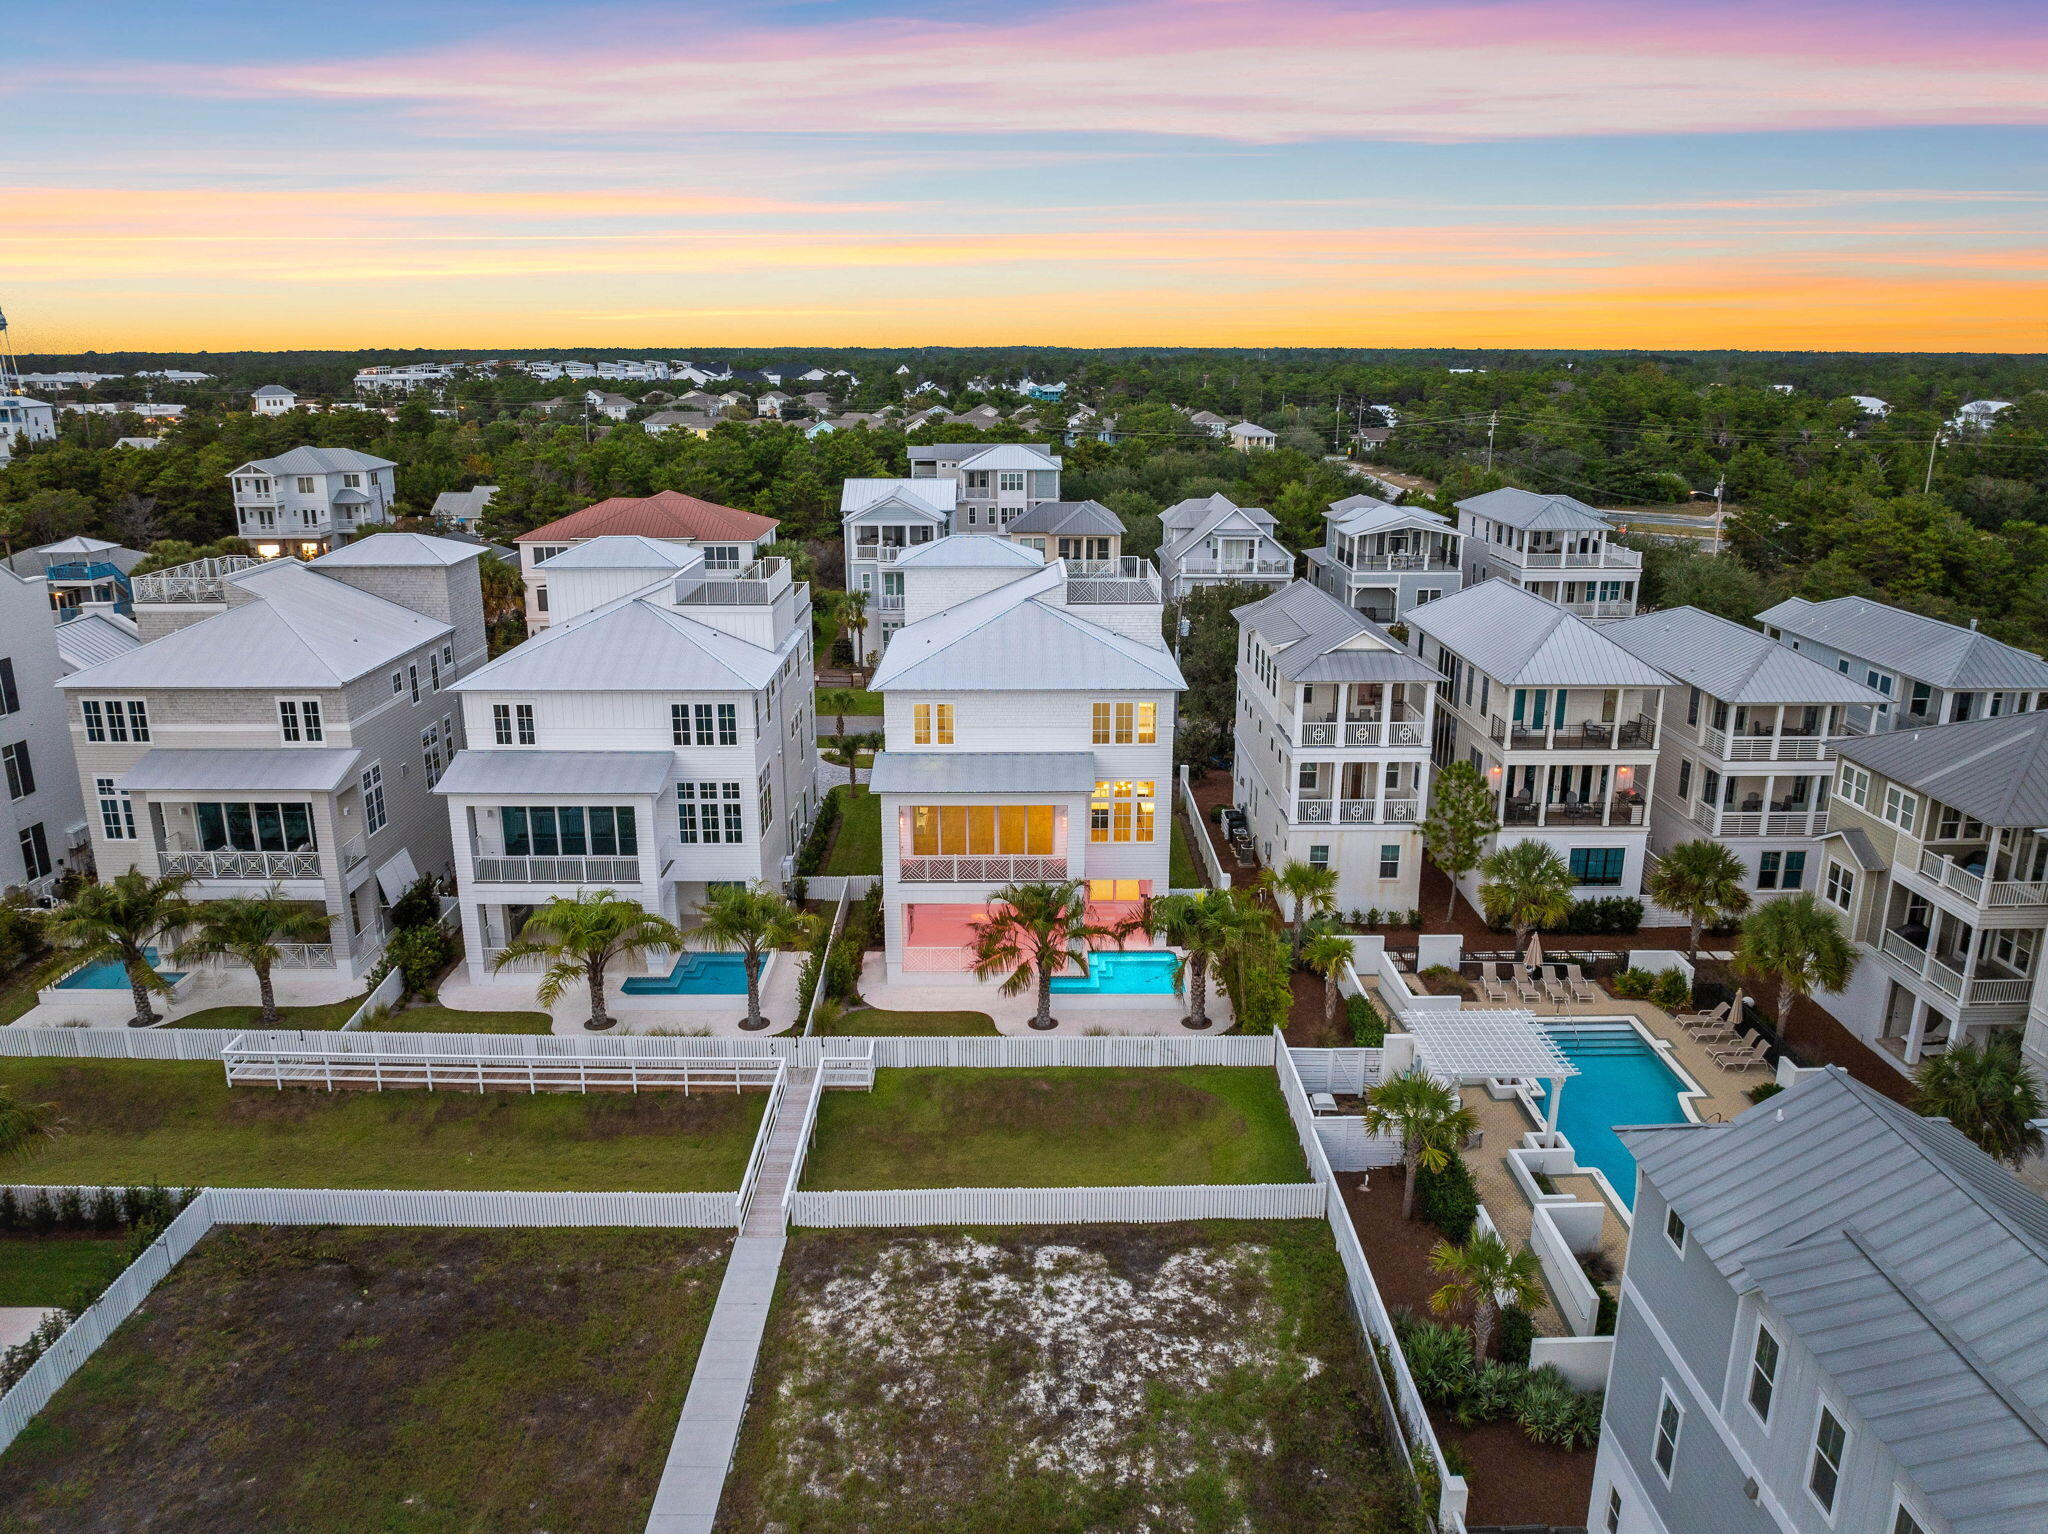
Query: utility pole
1720	486
1927	484
1492	421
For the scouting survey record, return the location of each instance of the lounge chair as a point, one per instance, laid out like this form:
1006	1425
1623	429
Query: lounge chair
1581	988
1691	1020
1711	1033
1526	990
1554	987
1492	987
1740	1055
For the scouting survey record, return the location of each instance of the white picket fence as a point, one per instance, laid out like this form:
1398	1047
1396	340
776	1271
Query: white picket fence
1350	1148
1204	848
1347	1071
479	1071
386	993
1135	1050
1060	1206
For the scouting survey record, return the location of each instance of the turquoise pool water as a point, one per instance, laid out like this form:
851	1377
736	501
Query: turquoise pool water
695	974
1622	1080
108	975
1122	974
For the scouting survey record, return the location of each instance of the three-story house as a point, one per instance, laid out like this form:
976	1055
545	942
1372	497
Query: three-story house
656	739
299	502
1559	719
730	539
1213	541
994	483
1558	547
1747	757
882	520
1333	732
1384	560
289	734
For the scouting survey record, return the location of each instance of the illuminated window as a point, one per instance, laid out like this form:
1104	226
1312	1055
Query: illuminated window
1116	889
1126	724
932	724
981	830
1121	811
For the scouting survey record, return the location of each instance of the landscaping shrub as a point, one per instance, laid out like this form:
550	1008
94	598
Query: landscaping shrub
1763	1089
1447	1199
1603	1318
1634	984
1494	1391
42	1213
1440	1358
1368	1028
10	1210
1517	1331
1553	1412
71	1210
814	963
811	856
418	906
419	954
105	1213
1672	991
1610	913
1446	981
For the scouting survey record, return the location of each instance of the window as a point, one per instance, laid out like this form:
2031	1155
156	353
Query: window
1795	871
255	827
374	818
1011	481
1841	886
117	811
1767	870
1830	1445
501	723
1614	1510
434	671
10	700
1763	1373
430	753
21	778
1116	889
1692	705
1903	1522
448	656
1670	1420
1126	724
116	719
981	830
574	831
1901	808
299	721
305	484
767	792
1121	811
932	724
397	683
412	677
1390	860
540	599
1685	777
351	481
721	556
511	724
709	812
1319	855
1598	865
1853	785
704	724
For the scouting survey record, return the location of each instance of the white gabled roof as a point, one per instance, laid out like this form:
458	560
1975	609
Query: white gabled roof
1519	638
1946	654
1187	523
1013	640
1536	513
635	645
985	455
934	497
1357	515
317	460
1730	662
391	551
969	551
304	630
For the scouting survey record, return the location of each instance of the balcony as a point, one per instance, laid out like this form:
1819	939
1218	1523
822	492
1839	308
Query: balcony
1111	581
240	865
1637	734
1606	557
1942	974
557	870
1000	869
1622	810
1596	610
1792	745
1402	730
1975	889
754	585
1395	810
1761	822
203	580
886	601
883	553
1431	564
1259	567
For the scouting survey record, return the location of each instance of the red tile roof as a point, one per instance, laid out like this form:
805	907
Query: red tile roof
666	514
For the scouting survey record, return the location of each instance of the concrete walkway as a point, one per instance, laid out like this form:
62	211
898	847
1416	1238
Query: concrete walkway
693	1479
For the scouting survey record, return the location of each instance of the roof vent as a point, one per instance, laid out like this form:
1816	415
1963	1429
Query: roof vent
1973	625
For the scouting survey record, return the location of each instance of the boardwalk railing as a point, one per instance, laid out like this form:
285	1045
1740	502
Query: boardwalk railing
261	1064
758	1154
807	1131
1060	1206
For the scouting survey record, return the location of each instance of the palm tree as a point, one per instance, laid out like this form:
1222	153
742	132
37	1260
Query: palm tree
1525	885
1987	1093
1428	1117
1311	888
835	701
853	618
845	752
119	922
753	919
1206	928
1484	1275
249	928
579	935
1702	881
1036	931
1327	954
1797	944
21	1122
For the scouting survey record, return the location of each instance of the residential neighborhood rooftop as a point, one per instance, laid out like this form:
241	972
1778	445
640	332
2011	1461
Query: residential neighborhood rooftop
1314	637
1731	661
993	772
1945	654
1519	638
1535	513
1994	770
1068	518
665	514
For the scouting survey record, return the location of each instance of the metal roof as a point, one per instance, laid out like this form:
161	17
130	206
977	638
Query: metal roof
1314	637
94	639
985	455
983	772
557	772
303	630
623	552
318	460
1461	1045
305	769
1860	846
634	645
1537	513
935	498
1356	515
390	551
969	551
1909	1262
1728	661
1925	649
1009	640
1187	523
1519	638
1073	518
1993	770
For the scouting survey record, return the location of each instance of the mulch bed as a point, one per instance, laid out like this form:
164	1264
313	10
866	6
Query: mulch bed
1471	926
1513	1479
1305	1028
1211	790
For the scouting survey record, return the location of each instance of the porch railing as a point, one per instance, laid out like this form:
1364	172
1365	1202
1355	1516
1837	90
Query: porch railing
1637	734
1360	812
1000	869
1361	732
241	865
557	870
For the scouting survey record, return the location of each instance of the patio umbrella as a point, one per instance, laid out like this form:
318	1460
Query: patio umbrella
1534	957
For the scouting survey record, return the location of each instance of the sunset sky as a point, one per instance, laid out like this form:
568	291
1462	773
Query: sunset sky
1287	172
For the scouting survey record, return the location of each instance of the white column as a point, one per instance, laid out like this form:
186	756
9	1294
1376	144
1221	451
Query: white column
1916	1031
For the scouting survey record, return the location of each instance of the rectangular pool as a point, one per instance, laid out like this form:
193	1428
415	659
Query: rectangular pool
108	975
1622	1079
696	974
1150	973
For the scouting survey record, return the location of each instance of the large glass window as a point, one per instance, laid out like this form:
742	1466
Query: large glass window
117	811
709	812
255	827
1598	865
116	719
981	830
1121	811
547	831
1830	1446
1126	724
1763	1374
932	724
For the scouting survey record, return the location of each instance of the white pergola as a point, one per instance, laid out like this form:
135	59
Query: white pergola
1467	1046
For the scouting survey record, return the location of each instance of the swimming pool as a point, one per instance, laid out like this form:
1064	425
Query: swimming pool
1123	974
1622	1080
695	974
108	975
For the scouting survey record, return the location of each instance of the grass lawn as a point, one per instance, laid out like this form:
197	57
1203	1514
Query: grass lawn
48	1270
454	1020
857	839
1084	1127
860	704
16	999
335	1380
1195	1378
179	1124
872	1023
312	1019
1185	869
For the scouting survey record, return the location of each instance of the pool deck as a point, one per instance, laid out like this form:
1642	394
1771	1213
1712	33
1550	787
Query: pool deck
1012	1014
710	1015
210	987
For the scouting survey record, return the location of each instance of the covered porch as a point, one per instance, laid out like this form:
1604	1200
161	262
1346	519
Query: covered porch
1582	794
